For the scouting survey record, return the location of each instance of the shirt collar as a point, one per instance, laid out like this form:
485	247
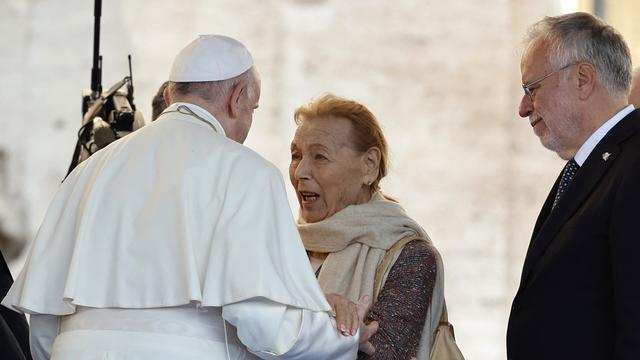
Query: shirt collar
594	139
204	114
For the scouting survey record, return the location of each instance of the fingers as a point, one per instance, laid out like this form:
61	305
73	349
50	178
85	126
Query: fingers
332	299
367	348
333	307
333	310
354	319
367	331
342	317
363	306
346	314
371	329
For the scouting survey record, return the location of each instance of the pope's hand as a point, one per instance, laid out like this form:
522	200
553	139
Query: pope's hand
366	330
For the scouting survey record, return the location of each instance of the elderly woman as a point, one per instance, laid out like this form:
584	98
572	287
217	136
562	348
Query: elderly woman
338	157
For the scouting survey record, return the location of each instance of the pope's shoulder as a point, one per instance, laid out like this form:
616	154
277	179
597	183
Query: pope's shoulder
245	157
208	143
190	143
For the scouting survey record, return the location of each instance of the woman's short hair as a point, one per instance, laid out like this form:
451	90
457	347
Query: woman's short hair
366	131
580	37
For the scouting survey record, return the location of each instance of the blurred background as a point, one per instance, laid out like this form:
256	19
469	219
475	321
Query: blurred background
442	77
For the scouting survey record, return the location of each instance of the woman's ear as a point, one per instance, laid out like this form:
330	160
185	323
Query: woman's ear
371	163
238	91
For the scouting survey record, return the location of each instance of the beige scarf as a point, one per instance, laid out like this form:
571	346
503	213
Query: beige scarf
356	239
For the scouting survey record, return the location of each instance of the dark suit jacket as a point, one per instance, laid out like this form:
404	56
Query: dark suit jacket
579	295
14	332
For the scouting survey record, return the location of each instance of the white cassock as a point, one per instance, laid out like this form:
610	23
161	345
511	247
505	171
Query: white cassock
156	240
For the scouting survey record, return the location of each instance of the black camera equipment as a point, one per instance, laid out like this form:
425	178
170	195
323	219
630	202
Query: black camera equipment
106	116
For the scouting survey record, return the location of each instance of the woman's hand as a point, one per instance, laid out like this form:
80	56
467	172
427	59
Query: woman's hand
350	318
366	330
346	313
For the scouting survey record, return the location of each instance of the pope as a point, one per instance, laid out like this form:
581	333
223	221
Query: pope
177	242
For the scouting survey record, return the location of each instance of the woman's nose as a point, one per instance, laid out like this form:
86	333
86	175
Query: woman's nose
302	170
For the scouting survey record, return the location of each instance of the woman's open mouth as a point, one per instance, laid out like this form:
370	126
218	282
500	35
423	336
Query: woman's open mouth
308	197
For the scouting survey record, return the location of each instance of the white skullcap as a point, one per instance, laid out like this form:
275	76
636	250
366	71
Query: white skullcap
211	58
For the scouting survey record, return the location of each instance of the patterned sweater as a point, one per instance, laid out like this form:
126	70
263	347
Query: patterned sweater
403	302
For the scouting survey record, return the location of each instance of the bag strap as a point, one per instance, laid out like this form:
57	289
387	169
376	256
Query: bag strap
444	318
388	258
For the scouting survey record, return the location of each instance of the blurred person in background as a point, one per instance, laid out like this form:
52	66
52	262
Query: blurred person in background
634	94
578	296
159	103
157	241
14	331
338	158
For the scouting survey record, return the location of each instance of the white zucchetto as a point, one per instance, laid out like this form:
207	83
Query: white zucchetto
211	58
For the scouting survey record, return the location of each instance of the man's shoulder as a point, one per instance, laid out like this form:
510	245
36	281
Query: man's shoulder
242	160
622	141
630	125
205	143
631	144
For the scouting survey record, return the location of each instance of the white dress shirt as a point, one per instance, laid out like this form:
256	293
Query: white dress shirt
588	146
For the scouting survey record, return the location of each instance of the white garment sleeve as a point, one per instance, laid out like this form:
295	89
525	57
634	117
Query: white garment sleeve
275	331
43	329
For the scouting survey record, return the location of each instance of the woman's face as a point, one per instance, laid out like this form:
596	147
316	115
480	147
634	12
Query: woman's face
327	173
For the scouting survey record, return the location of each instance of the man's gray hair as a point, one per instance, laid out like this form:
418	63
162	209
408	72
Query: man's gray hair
578	37
215	91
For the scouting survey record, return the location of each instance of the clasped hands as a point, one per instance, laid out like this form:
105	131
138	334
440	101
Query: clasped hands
350	318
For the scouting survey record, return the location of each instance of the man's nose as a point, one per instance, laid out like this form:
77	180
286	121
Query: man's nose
526	106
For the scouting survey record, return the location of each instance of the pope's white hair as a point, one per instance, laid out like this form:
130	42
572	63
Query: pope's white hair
216	91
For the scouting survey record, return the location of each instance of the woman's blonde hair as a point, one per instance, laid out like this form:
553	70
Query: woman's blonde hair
366	131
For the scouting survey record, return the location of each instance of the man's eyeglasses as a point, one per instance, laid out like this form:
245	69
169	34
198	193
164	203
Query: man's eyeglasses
527	87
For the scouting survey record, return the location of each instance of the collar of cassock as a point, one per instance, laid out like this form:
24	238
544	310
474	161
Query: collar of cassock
197	113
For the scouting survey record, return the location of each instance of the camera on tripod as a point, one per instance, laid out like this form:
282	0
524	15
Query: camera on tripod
121	113
106	116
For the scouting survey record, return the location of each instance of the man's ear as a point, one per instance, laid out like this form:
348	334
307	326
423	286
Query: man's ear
166	95
586	80
238	91
371	163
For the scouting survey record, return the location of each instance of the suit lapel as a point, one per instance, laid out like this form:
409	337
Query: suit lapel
542	218
594	168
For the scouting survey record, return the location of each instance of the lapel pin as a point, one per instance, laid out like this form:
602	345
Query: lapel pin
605	156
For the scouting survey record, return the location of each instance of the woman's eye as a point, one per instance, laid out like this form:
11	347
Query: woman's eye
295	156
320	157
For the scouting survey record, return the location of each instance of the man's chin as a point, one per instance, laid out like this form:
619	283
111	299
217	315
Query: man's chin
540	129
552	144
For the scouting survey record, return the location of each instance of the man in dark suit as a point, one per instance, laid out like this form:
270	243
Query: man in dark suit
579	294
14	332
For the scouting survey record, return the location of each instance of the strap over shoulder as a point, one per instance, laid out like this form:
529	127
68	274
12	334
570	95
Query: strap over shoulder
438	339
387	261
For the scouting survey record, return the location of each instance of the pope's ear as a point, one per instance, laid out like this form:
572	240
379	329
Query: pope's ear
239	90
166	95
